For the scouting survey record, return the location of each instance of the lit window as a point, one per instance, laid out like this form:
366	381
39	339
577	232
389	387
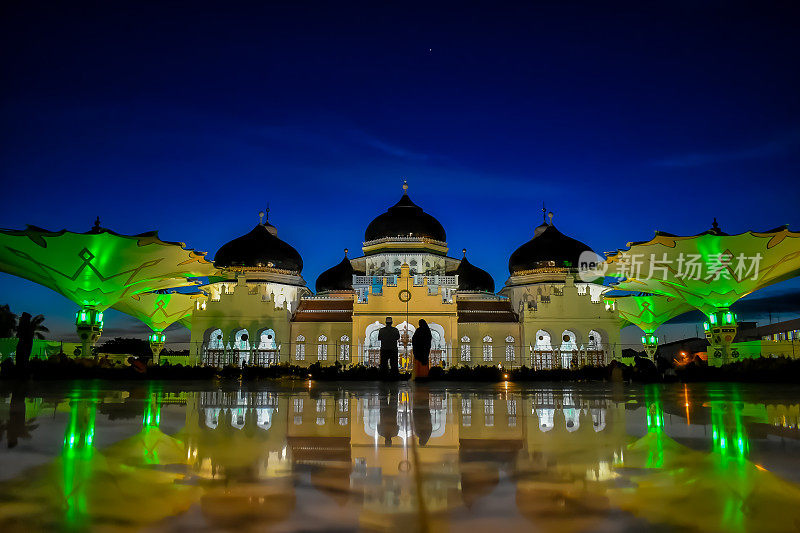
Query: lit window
465	349
300	348
344	348
487	348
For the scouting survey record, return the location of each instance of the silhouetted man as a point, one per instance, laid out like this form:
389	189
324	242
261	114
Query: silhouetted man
388	336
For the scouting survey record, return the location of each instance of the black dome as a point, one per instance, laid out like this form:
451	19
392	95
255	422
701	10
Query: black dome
472	278
337	278
403	219
259	248
548	244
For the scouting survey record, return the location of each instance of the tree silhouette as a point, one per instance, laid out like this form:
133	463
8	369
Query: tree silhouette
28	328
8	322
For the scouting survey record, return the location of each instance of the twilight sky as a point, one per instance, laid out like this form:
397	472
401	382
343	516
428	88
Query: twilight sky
188	117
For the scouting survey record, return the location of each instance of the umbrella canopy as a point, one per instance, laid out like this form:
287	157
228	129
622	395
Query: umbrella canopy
100	267
159	310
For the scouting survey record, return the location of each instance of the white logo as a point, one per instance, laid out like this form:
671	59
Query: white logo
591	267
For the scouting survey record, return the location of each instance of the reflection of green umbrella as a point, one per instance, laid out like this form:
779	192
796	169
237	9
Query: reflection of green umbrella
159	310
730	495
735	494
98	268
94	489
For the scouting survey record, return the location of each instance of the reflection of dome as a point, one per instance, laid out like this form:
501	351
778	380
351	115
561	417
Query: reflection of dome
261	248
405	219
548	247
472	278
338	277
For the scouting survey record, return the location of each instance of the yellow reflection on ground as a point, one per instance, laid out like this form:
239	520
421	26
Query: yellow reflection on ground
410	458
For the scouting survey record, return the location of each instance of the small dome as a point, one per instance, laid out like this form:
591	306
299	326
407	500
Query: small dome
403	219
261	248
472	278
337	278
548	247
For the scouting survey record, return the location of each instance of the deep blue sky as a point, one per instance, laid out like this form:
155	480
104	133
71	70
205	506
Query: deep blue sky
188	117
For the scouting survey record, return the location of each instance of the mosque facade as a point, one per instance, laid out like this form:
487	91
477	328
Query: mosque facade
260	310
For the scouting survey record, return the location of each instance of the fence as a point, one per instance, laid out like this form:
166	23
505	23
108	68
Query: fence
504	354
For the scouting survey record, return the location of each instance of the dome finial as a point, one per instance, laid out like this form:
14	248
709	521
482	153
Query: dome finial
345	252
96	224
405	185
464	251
544	213
550	216
715	225
261	217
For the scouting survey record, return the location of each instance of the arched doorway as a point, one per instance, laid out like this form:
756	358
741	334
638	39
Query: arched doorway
404	344
241	347
214	353
267	352
595	354
438	344
569	348
542	351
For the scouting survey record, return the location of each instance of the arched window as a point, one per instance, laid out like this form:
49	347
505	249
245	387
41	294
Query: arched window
344	348
216	341
322	348
300	348
595	340
510	353
543	341
241	343
487	348
466	353
569	345
267	340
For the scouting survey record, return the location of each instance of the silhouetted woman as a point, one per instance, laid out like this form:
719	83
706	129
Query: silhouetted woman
421	344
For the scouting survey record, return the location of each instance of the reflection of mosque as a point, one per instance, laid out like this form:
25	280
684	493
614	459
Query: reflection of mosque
564	458
260	311
370	444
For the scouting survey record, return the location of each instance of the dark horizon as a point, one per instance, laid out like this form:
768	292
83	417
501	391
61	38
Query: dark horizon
190	118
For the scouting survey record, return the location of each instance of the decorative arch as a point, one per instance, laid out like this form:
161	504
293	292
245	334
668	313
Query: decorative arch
569	347
267	340
241	346
594	340
438	343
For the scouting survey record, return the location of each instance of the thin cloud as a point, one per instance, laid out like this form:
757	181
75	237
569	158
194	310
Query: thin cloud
775	147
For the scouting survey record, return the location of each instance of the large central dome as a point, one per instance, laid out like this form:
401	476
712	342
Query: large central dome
405	219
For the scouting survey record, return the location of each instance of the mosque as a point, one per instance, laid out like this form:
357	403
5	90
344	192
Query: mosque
259	310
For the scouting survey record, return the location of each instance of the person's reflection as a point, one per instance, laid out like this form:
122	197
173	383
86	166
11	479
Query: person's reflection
422	414
17	427
387	424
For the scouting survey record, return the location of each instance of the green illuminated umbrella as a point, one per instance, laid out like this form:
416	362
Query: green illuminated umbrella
710	271
159	310
648	311
98	268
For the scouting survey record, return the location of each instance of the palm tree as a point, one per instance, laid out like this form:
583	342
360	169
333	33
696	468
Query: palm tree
28	328
37	323
8	322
